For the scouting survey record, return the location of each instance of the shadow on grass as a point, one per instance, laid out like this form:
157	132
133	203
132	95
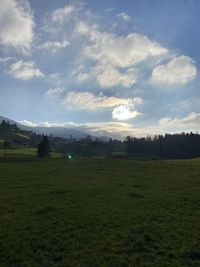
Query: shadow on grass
47	211
57	192
135	195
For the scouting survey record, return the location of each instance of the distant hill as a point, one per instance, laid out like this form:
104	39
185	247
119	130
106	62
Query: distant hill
55	131
60	132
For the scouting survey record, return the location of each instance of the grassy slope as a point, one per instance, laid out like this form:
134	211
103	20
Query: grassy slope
100	213
22	136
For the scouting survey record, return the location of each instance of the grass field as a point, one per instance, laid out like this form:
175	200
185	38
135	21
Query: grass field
25	153
99	213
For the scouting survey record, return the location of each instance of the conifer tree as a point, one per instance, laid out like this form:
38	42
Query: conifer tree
43	149
5	146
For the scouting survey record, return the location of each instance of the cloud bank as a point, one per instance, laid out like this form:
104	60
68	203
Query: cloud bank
89	101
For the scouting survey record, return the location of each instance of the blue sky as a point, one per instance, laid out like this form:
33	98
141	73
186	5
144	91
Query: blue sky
107	67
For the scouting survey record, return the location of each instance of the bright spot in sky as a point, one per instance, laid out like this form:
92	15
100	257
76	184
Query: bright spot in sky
124	113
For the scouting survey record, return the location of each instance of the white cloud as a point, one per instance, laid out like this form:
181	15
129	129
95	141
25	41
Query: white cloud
191	121
108	76
16	24
117	129
53	47
25	70
112	129
124	16
180	70
124	112
116	56
52	92
122	51
88	101
61	14
120	129
28	123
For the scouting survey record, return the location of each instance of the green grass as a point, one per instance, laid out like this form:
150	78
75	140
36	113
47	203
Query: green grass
99	213
25	153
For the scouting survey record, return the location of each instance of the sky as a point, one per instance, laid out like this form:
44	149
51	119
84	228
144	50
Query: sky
109	67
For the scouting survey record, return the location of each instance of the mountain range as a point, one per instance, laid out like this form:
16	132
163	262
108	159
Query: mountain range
55	131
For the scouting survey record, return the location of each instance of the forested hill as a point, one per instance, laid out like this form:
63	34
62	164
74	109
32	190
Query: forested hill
17	136
169	146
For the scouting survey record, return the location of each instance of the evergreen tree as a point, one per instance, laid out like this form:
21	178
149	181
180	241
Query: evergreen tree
43	149
5	146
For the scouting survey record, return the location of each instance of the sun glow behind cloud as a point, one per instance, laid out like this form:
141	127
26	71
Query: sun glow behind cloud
123	113
86	100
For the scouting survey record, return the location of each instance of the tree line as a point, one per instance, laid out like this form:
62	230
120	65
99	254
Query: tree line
168	146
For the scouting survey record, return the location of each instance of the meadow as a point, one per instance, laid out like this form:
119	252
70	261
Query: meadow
25	153
99	212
